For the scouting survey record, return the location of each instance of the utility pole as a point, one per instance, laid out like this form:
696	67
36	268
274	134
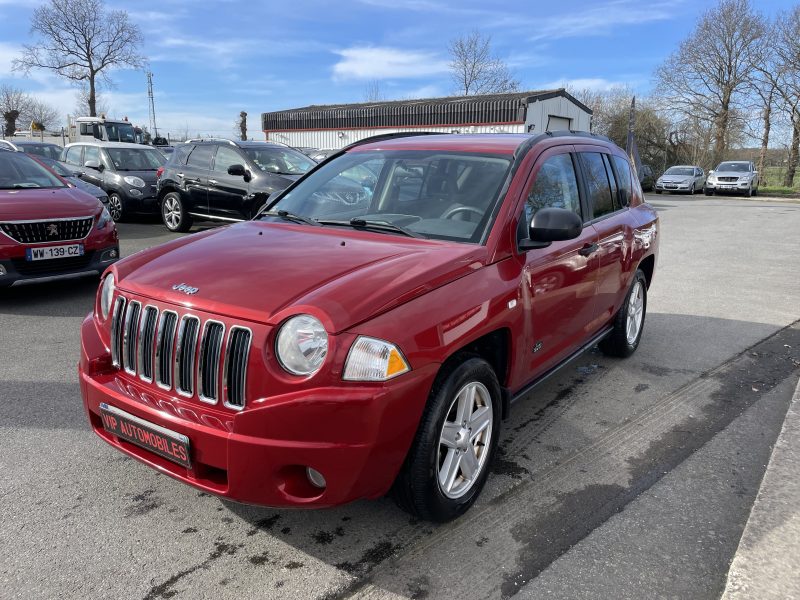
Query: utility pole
152	106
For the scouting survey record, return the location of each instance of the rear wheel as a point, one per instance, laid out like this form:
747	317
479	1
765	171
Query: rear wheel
115	207
174	214
449	461
692	191
629	322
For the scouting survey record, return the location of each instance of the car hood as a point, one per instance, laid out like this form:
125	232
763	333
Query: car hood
264	272
40	204
675	178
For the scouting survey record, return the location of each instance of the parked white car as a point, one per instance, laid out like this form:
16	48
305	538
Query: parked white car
681	178
736	176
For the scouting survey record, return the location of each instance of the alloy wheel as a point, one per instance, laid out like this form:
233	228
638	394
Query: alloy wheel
465	440
115	207
172	212
635	313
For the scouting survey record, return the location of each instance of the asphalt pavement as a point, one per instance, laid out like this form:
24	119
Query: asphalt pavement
617	478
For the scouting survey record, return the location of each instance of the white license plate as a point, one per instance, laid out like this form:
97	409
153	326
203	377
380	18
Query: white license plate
51	252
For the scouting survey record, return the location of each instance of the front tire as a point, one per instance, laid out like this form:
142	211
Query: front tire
174	215
629	322
449	460
116	208
708	191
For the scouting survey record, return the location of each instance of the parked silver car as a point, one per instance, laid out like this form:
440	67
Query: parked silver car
681	178
736	176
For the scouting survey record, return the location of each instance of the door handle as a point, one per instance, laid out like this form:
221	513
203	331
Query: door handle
588	249
179	175
212	181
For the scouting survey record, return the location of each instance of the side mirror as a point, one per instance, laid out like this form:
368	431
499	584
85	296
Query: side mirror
93	164
711	171
552	225
237	170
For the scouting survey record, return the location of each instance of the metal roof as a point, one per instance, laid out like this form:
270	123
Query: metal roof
450	110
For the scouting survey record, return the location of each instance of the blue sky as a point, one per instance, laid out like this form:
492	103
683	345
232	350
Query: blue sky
212	59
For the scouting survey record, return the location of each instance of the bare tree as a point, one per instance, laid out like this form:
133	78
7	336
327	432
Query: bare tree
82	109
373	92
241	125
13	104
712	68
80	40
475	70
42	114
787	58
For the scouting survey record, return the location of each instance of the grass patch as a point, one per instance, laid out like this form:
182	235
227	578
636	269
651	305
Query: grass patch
778	191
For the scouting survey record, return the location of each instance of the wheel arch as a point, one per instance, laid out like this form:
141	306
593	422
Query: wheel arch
648	265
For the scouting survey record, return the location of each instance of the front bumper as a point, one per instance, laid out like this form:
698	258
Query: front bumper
17	271
728	186
673	187
357	436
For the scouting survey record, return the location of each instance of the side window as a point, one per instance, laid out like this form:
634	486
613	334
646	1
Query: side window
555	186
201	157
599	190
73	156
612	180
181	153
91	153
225	158
624	177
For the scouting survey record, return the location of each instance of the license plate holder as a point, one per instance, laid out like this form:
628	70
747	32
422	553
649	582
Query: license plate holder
159	440
53	252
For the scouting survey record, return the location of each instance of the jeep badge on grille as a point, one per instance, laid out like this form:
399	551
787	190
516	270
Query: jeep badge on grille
186	289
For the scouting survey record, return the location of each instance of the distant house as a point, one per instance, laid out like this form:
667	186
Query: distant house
335	126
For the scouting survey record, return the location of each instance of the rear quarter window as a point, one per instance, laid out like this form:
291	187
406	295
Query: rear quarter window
200	157
181	154
624	179
597	183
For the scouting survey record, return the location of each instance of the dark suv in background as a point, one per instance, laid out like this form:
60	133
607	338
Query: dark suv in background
126	172
224	180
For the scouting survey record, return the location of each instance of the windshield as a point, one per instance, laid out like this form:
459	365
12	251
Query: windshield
680	171
282	161
440	195
58	167
136	159
47	150
120	132
737	167
18	171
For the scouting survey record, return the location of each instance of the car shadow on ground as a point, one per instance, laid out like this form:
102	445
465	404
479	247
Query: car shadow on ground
64	298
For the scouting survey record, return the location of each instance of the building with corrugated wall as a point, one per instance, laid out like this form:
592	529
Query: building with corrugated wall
335	126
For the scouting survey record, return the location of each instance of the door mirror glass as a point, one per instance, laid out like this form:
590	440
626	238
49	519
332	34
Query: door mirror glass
237	170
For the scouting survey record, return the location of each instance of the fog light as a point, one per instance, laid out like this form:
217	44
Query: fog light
2	270
112	254
316	478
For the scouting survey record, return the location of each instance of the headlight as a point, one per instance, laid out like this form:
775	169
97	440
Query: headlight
374	360
103	219
134	181
302	345
744	178
106	295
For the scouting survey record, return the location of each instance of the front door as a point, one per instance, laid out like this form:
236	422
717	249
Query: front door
227	193
194	178
558	282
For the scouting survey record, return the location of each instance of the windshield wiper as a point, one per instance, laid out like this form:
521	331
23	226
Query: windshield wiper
359	223
288	216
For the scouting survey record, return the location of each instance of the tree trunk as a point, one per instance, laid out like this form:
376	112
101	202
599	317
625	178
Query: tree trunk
720	133
788	178
92	97
243	125
11	122
762	156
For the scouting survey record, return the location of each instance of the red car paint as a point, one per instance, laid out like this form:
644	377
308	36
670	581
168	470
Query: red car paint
430	298
28	205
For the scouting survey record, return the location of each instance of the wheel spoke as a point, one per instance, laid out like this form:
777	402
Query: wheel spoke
449	432
449	470
480	420
466	401
469	464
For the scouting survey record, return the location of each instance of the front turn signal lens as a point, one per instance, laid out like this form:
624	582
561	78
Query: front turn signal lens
371	359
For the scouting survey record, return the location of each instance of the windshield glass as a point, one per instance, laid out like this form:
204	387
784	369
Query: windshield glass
440	195
738	167
679	171
120	132
282	161
47	150
18	171
58	167
136	159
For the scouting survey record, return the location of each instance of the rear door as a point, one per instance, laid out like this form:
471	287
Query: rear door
558	282
227	193
608	208
194	178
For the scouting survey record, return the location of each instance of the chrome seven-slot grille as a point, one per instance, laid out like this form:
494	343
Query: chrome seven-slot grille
53	230
160	346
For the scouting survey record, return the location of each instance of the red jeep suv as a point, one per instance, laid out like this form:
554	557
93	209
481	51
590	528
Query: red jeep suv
370	329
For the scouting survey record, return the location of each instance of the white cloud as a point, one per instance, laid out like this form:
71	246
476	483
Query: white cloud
8	52
375	62
595	84
426	91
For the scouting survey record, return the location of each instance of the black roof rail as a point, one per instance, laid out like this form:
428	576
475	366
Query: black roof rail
576	133
390	136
